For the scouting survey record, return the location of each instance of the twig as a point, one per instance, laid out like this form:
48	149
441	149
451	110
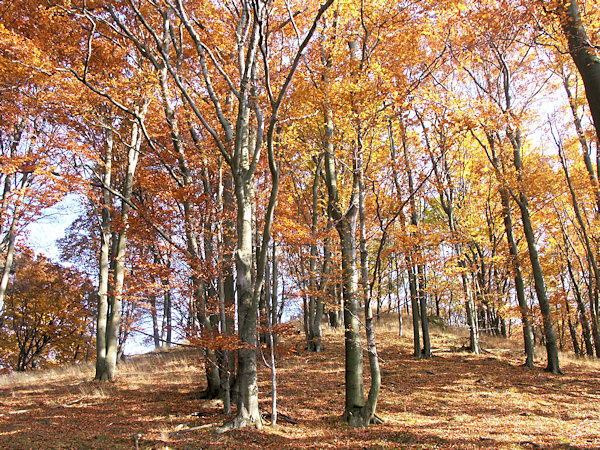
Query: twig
285	417
533	444
64	405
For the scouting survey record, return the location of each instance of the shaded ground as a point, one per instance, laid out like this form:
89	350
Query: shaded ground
453	400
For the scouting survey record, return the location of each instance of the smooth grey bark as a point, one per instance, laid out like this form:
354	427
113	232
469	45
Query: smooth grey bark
225	285
585	327
585	147
540	288
271	306
274	292
538	277
573	331
156	334
539	284
586	150
118	264
353	367
104	263
513	134
399	280
419	302
209	320
315	305
345	223
367	411
232	140
584	54
218	367
167	326
357	412
518	278
155	331
415	307
422	293
408	257
581	307
8	263
528	338
8	235
590	254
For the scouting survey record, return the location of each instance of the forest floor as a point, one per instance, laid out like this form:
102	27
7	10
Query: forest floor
454	400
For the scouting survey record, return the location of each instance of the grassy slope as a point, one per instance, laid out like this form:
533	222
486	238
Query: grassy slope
453	400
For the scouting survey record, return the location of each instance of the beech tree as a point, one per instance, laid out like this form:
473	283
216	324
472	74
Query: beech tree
403	138
47	317
584	54
242	129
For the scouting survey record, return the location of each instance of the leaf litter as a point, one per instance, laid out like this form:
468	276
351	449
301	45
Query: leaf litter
454	400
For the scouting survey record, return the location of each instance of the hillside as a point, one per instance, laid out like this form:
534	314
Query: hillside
453	400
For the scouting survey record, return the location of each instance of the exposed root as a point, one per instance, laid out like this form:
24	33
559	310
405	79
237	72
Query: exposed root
356	418
376	420
555	372
239	422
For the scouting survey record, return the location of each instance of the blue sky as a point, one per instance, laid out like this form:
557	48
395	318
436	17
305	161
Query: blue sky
42	234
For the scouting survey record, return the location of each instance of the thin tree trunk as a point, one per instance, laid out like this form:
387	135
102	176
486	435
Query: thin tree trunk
274	293
590	254
585	326
104	263
540	288
399	279
423	305
114	317
315	303
8	262
518	277
368	410
272	307
154	313
414	300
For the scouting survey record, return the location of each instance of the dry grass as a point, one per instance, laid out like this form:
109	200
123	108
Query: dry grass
454	400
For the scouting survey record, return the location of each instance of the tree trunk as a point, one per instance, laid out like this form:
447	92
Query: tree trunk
518	277
585	326
155	332
471	317
540	288
399	279
590	254
315	303
353	361
536	267
247	401
367	412
414	300
583	54
8	262
104	263
114	318
423	305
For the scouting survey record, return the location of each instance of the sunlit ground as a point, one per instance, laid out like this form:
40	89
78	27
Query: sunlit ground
453	400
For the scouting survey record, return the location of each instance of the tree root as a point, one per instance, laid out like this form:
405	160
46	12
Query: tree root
239	422
356	418
376	420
